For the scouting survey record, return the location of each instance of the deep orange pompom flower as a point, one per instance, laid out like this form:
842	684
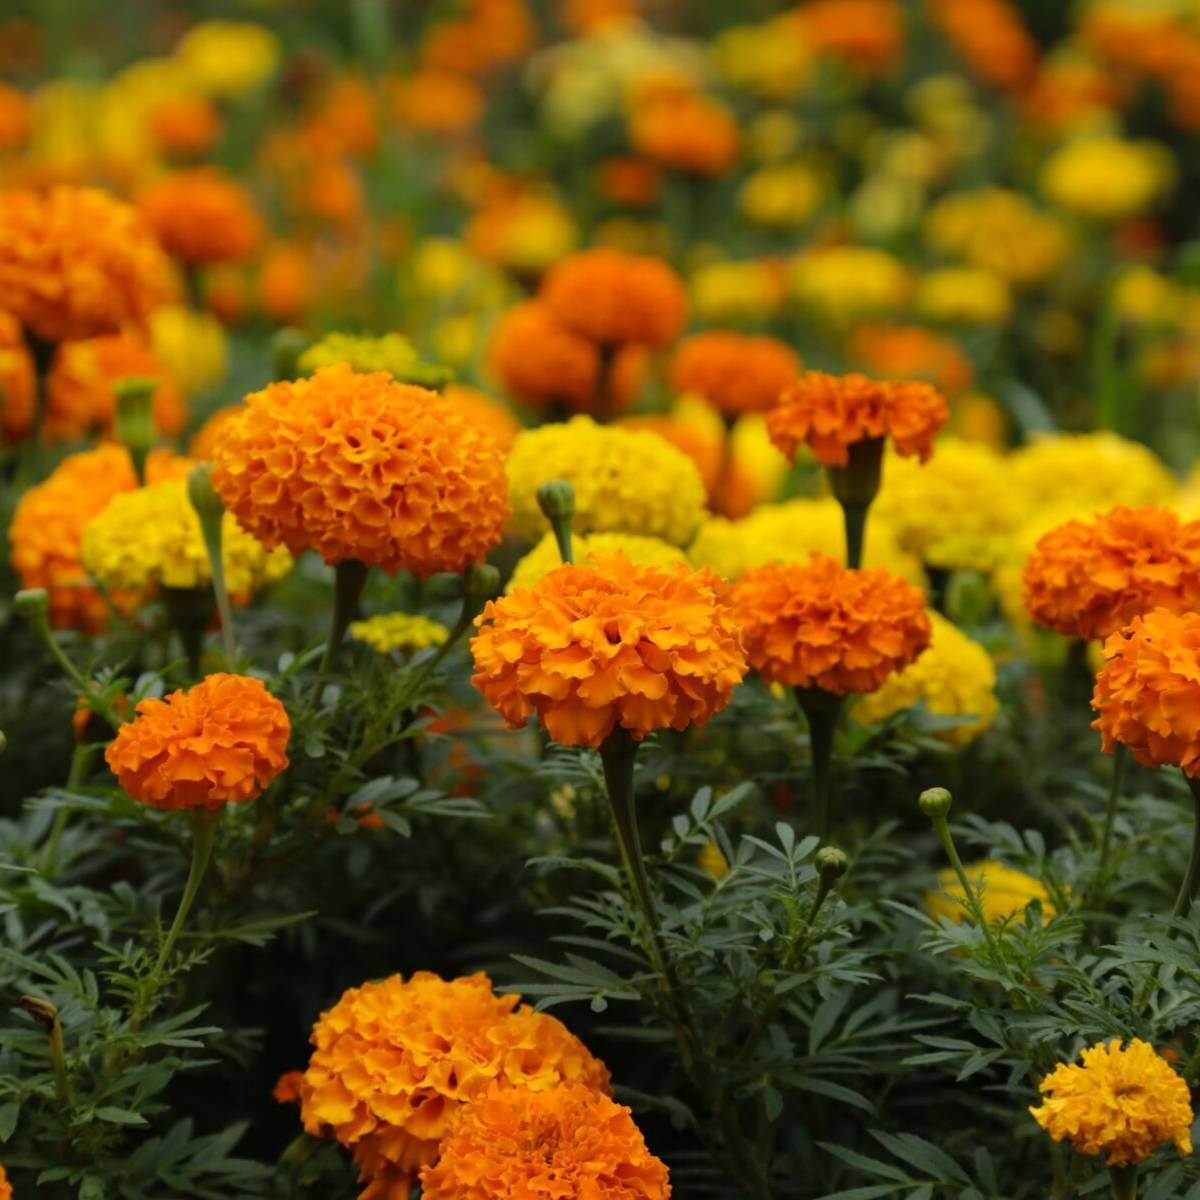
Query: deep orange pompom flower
820	625
1147	694
588	648
17	383
611	298
686	132
395	1062
735	372
80	395
76	263
223	740
830	413
569	1142
357	466
202	216
1089	578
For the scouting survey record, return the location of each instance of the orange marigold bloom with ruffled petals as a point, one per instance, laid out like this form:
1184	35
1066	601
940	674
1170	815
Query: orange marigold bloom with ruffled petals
610	297
570	1142
590	647
487	34
202	216
830	413
687	132
18	385
1147	694
735	372
80	395
821	625
223	740
358	466
185	125
76	263
396	1061
1089	578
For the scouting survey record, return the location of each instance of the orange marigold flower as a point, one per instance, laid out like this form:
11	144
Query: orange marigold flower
485	411
5	1187
80	389
819	625
1089	578
910	352
588	648
223	740
611	298
830	413
357	466
17	382
396	1061
16	118
631	181
437	101
288	1088
571	1142
202	216
867	34
487	34
185	125
734	371
286	281
1147	694
991	38
76	263
686	132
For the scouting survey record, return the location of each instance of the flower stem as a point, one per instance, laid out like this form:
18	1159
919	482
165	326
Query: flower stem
211	514
1187	892
856	484
351	577
1124	1182
204	834
81	758
823	711
941	827
46	1015
1120	763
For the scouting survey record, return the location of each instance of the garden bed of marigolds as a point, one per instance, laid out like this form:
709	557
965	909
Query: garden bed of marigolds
601	599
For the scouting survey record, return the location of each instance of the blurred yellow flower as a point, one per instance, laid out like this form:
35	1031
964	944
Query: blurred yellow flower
1005	892
386	632
964	296
1108	178
712	861
228	58
392	352
780	196
771	60
192	346
544	557
737	292
845	283
1142	296
773	135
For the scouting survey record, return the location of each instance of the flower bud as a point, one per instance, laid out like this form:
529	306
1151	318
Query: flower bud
135	418
286	347
32	604
42	1011
204	497
832	863
482	583
557	500
935	802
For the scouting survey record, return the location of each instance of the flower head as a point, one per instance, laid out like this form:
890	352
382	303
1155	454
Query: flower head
386	632
685	131
911	352
1124	1102
830	413
395	1062
545	556
1003	892
845	283
591	647
571	1141
735	372
359	466
392	352
611	298
1107	178
227	58
76	263
1088	578
17	382
625	480
190	345
223	740
820	625
200	215
1147	694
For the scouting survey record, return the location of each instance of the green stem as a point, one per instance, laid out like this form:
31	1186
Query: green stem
190	611
1119	766
854	516
1187	892
856	484
1124	1182
204	833
349	581
465	619
823	711
81	758
941	827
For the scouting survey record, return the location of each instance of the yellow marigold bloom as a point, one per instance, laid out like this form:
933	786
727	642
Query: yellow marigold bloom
1003	892
770	60
625	480
791	532
152	537
957	511
845	283
1124	1102
737	293
964	296
386	632
394	1063
192	345
525	232
392	352
781	196
955	677
545	556
227	58
1108	178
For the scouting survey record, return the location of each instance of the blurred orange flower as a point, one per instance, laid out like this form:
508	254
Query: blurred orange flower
867	34
630	181
991	37
16	118
186	126
736	372
201	215
17	382
687	132
485	411
487	34
911	352
437	101
286	281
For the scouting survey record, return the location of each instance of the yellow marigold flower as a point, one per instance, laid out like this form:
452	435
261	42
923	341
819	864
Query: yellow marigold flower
781	196
625	480
737	292
957	511
712	861
1144	297
955	677
152	537
544	557
192	345
392	352
227	58
791	532
1108	178
771	60
386	632
1124	1102
845	283
1003	892
964	296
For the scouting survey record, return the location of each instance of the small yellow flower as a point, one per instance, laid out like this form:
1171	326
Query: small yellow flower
770	60
386	632
781	196
192	345
545	555
228	58
392	352
736	292
712	861
1003	892
1108	178
964	296
845	283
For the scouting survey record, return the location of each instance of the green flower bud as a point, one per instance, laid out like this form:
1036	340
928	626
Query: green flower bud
204	497
32	604
286	348
135	418
482	583
557	500
832	863
935	802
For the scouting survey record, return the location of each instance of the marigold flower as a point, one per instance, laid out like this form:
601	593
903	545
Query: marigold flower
16	118
843	284
736	372
819	625
991	38
524	232
965	296
201	216
738	292
782	196
191	345
185	125
687	132
361	467
437	101
1003	892
868	34
17	382
625	480
830	413
76	263
955	677
545	556
570	1141
485	35
222	740
1124	1102
910	352
392	352
591	647
227	58
386	632
1107	178
485	411
630	181
395	1062
81	387
611	298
